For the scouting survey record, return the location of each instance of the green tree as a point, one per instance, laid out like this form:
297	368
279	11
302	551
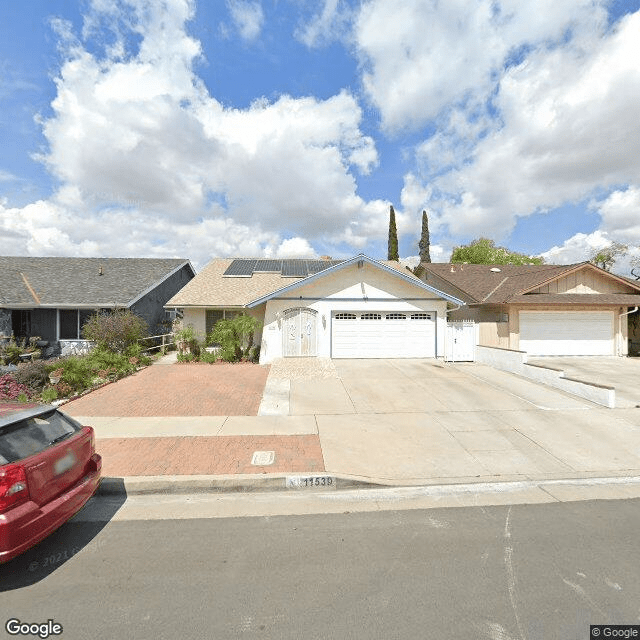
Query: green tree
235	337
484	251
424	243
606	257
392	252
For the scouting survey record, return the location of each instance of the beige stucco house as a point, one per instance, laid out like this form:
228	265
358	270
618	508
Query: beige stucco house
543	310
356	308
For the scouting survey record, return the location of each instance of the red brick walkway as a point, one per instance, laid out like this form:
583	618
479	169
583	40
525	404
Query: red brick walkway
179	390
216	455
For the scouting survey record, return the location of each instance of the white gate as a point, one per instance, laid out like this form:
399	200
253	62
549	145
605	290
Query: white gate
460	343
299	332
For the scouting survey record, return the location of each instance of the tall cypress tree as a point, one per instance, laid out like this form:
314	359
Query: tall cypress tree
424	243
392	252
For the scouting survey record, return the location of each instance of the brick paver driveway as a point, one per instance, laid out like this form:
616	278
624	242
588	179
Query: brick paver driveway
179	390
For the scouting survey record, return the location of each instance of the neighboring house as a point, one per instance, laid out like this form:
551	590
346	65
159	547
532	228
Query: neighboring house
544	310
53	297
356	308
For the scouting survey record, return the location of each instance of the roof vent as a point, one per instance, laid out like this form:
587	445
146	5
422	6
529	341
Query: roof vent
495	269
100	271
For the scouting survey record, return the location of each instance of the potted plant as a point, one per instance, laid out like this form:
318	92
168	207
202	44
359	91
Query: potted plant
55	375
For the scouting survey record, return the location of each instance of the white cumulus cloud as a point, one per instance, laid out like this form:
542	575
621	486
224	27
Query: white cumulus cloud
149	162
247	16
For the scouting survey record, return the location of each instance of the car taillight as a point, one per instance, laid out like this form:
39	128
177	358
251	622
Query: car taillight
13	486
92	433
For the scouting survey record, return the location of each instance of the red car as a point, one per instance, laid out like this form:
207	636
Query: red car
48	470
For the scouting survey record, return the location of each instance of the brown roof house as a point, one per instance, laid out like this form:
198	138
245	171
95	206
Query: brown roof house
355	308
543	310
53	297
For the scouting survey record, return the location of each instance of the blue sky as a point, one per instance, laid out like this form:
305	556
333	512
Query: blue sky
288	127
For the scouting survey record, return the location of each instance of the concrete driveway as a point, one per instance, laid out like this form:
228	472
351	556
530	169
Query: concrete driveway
418	386
425	420
613	371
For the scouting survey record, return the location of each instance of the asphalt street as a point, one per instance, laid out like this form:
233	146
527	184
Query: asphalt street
513	572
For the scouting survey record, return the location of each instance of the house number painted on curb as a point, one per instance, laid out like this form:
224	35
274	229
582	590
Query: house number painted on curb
306	482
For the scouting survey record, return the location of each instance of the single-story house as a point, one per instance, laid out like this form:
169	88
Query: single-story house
356	308
53	297
544	310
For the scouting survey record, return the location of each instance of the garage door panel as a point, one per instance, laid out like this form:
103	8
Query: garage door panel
567	333
364	337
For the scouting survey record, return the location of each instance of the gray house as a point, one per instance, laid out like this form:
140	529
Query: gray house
53	297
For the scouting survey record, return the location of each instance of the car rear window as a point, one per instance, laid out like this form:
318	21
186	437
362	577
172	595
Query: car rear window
33	435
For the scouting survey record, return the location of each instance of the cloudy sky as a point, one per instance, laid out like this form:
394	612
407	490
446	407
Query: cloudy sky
185	128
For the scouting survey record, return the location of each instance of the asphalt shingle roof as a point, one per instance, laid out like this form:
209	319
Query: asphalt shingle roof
211	287
623	299
77	281
509	283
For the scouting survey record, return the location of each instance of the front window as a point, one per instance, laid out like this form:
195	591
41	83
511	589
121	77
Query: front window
214	316
72	321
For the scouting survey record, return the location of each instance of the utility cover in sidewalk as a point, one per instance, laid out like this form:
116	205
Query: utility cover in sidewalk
263	458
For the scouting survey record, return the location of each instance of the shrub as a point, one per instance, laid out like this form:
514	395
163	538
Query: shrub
235	337
77	373
10	388
115	330
10	352
62	389
49	395
33	375
205	356
187	342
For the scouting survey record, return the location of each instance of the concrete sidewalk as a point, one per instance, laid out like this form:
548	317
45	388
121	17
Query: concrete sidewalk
265	452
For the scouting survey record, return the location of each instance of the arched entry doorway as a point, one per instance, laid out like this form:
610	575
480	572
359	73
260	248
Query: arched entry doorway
299	335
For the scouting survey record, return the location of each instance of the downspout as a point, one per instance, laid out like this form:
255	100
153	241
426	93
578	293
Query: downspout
620	328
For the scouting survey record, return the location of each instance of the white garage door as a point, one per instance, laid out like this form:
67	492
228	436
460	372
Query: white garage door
383	334
566	333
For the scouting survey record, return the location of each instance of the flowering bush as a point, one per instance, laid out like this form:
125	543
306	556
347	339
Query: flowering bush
11	389
63	389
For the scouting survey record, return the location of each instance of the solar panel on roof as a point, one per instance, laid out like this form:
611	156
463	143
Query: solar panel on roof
314	266
268	266
241	267
294	268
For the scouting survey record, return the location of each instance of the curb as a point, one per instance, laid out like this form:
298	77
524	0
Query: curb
163	485
182	485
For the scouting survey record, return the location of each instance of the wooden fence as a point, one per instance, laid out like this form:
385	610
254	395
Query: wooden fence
162	342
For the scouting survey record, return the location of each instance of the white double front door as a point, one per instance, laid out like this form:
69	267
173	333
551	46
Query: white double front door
299	334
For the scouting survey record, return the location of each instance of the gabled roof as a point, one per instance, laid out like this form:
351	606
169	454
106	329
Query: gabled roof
389	266
212	288
506	283
81	282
